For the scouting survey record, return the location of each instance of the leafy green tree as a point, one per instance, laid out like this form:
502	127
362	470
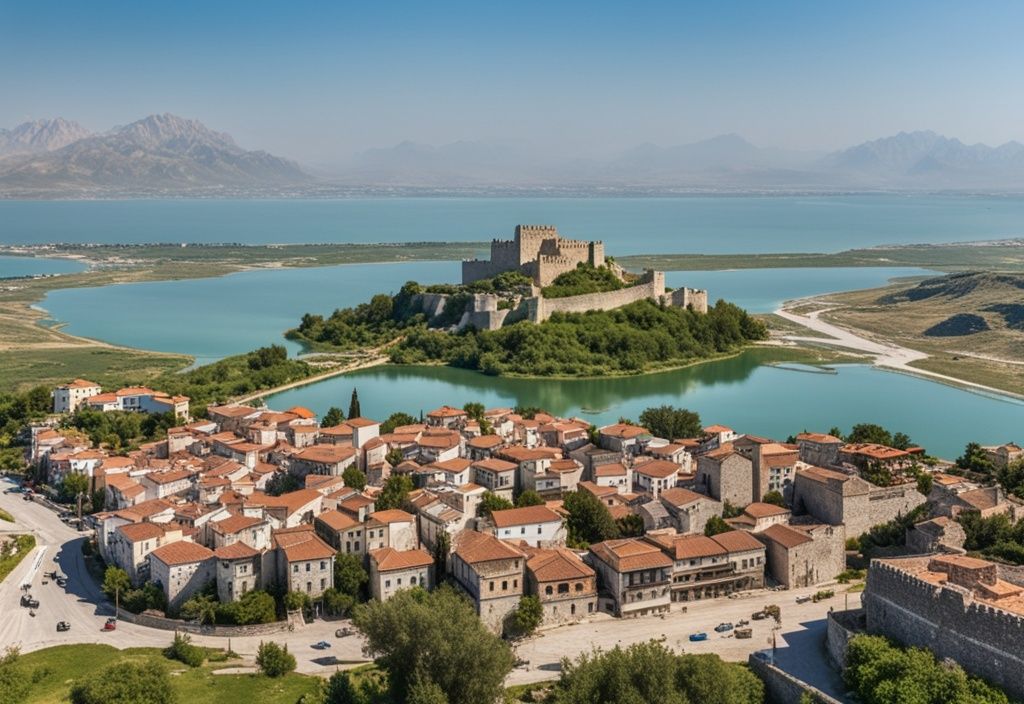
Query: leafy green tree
491	502
394	493
630	526
442	548
671	422
128	682
73	485
397	420
424	691
649	672
974	459
874	433
295	601
282	483
475	411
274	660
255	606
15	681
394	457
266	357
354	478
200	607
588	521
336	603
115	582
333	417
925	483
880	672
1011	478
730	511
715	526
350	576
775	498
527	616
420	636
353	406
529	498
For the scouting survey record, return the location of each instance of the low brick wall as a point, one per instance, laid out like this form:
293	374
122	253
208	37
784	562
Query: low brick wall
152	620
783	688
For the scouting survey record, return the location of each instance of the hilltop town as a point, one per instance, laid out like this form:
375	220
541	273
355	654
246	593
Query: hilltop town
524	512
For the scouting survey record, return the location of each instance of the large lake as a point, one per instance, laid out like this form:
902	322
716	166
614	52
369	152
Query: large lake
36	266
627	225
216	317
738	392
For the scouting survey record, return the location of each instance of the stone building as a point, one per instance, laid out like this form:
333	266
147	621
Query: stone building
537	526
936	535
492	572
635	576
537	251
804	555
758	516
564	584
392	570
959	607
305	563
689	510
239	570
706	568
1002	455
819	449
726	475
181	569
840	498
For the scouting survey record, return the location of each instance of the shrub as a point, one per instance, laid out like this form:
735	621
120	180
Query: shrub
125	683
182	650
274	660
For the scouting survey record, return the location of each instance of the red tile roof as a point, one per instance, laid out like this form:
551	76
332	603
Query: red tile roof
182	552
389	559
526	515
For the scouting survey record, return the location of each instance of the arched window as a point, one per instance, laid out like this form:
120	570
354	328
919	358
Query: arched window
579	586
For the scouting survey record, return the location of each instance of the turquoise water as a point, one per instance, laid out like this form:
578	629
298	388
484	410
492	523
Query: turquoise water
217	317
34	266
627	225
738	392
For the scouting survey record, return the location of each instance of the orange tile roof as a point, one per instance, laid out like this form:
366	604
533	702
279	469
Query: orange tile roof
79	384
820	474
446	412
614	469
820	438
326	454
738	541
232	411
556	564
677	496
134	532
393	515
624	431
760	509
182	552
786	536
630	554
659	469
389	559
873	451
485	442
302	412
527	515
518	453
473	547
336	520
688	547
457	464
495	465
292	501
235	523
362	422
718	429
235	551
302	544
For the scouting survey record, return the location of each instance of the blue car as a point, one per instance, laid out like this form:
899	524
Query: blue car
698	636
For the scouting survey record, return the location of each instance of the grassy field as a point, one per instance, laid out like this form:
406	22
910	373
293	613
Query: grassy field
23	545
902	313
60	666
1007	256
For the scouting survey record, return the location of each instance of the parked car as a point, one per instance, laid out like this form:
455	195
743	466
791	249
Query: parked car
744	633
27	600
698	636
63	626
723	627
342	632
110	625
62	581
321	645
27	496
802	599
51	575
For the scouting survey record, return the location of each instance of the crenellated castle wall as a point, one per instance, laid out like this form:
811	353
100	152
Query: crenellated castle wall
949	621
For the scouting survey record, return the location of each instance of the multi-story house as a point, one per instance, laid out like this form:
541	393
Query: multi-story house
654	476
537	526
705	568
565	585
491	572
305	563
497	476
239	570
181	569
342	531
634	575
392	570
68	398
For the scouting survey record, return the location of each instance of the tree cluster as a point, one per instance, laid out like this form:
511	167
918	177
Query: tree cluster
670	422
585	278
879	672
637	337
650	672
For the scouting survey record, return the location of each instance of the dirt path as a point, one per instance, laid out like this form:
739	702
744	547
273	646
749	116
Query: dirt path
887	356
377	356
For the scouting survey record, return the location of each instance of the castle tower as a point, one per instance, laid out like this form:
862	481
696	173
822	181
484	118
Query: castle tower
530	239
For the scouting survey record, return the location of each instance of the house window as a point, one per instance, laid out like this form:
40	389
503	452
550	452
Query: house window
308	565
579	586
548	590
398	581
491	586
412	581
295	569
504	585
356	546
522	531
323	584
539	530
309	587
387	583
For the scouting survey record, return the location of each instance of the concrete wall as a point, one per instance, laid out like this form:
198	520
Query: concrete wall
948	621
783	688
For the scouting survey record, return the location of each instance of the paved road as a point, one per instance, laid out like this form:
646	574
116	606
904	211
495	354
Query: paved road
800	639
82	604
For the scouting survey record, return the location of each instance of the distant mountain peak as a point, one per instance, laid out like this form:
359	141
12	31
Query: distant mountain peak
39	136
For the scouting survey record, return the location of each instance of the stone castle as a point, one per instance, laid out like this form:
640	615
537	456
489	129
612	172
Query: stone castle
538	252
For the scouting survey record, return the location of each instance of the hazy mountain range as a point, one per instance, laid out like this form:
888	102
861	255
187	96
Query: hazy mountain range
165	154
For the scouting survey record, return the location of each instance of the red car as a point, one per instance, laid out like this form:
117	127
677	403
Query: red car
110	625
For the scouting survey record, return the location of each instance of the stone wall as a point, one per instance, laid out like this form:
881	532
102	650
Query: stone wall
152	620
684	297
652	286
781	687
947	620
842	627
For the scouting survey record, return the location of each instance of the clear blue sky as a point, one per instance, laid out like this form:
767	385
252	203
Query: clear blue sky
318	81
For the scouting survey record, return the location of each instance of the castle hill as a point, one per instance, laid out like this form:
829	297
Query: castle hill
541	306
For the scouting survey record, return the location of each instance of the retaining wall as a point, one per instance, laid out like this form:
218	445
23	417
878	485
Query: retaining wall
782	688
842	627
153	620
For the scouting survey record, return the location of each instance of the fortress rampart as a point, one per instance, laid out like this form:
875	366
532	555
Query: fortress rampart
948	620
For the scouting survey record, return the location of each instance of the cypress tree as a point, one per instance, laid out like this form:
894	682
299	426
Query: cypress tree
353	406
